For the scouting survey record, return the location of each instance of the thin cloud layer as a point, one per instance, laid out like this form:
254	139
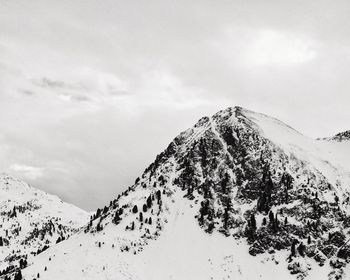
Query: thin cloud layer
92	90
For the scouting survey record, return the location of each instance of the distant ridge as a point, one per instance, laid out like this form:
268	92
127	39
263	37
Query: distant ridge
339	137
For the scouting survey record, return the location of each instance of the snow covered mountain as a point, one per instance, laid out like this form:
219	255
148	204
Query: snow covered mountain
31	221
239	196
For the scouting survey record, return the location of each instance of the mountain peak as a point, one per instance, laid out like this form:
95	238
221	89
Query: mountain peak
237	177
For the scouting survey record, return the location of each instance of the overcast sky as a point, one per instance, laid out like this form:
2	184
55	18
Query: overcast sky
91	90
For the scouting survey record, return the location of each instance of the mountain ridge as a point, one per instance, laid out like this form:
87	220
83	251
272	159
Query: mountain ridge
339	137
239	177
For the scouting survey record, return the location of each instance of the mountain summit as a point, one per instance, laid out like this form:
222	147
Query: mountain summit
237	190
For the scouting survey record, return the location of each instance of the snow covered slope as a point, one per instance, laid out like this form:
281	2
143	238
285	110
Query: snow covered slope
182	251
330	156
30	221
337	149
239	196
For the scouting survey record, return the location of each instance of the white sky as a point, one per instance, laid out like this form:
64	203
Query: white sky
91	91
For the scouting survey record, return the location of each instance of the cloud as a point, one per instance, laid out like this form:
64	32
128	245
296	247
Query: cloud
90	92
271	47
84	85
30	172
264	47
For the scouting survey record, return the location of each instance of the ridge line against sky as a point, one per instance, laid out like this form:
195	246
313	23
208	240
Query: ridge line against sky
91	91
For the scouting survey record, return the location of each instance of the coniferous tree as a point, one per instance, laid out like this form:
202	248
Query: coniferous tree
301	249
98	213
266	187
253	222
203	211
293	250
203	153
99	227
309	240
224	183
271	218
117	218
18	275
134	209
336	199
226	217
211	227
149	202
275	224
188	173
189	191
158	195
144	208
22	263
228	205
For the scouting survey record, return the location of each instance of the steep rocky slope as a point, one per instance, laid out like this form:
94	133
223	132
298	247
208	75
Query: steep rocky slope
31	221
236	191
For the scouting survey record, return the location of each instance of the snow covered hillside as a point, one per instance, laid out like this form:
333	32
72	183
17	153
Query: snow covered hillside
31	221
239	196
